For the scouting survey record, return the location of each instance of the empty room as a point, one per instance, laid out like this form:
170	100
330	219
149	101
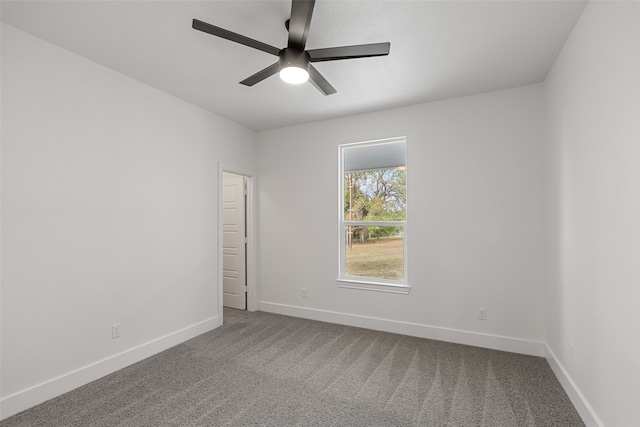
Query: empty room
329	213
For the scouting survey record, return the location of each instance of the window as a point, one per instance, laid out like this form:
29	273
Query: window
373	215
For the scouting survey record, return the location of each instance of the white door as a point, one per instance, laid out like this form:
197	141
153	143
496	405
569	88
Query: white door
233	242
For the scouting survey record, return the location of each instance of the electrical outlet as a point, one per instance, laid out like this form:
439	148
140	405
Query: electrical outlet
304	292
572	352
482	314
115	331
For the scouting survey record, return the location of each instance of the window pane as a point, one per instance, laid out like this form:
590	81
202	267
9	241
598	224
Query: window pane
374	252
375	195
385	155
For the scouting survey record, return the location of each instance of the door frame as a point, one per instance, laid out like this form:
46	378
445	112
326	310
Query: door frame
251	235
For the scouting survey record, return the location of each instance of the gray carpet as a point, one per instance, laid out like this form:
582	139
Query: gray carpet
262	369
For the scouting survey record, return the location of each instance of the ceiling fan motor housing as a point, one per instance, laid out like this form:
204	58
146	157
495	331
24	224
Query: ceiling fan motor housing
292	57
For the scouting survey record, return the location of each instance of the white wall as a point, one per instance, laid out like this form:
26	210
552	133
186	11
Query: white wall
475	220
592	97
109	215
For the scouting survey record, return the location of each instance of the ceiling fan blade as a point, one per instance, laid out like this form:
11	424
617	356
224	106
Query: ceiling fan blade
349	52
301	11
261	75
234	37
320	82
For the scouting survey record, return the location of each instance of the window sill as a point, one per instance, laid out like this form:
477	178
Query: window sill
374	286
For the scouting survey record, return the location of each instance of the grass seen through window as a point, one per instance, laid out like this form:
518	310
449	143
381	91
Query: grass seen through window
381	258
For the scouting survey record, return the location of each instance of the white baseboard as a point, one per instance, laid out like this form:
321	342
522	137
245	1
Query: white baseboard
495	342
46	390
577	398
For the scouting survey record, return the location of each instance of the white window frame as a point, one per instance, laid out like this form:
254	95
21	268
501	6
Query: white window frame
369	283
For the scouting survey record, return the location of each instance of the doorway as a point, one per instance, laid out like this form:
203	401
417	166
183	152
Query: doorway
234	241
236	256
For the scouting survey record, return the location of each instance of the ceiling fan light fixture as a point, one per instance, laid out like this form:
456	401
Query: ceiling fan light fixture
294	75
294	66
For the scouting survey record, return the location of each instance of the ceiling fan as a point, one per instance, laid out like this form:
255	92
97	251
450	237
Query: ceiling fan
294	63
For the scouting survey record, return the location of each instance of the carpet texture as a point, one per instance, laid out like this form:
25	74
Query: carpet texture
262	369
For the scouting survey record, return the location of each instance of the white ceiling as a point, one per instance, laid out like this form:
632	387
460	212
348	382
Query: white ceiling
439	49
